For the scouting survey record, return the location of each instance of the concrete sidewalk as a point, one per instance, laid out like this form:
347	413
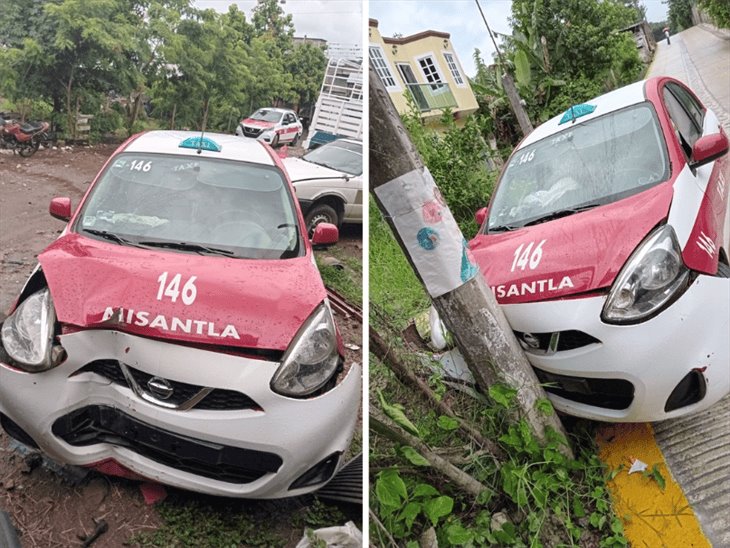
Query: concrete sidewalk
692	454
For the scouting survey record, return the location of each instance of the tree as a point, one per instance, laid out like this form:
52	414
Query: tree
679	15
306	66
718	10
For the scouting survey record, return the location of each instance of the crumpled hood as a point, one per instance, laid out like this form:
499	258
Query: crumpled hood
258	123
582	252
246	303
301	169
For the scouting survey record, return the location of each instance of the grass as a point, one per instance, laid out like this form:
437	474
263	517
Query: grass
210	521
394	288
346	280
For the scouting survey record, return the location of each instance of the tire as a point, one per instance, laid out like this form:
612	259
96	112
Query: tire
320	213
295	140
275	141
27	150
723	270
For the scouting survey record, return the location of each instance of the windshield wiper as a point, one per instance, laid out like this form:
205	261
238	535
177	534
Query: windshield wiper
560	213
110	236
503	228
184	246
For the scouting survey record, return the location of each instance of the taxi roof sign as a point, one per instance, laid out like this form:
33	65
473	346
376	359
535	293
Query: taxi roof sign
576	111
201	143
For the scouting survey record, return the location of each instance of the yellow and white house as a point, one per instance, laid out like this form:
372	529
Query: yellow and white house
426	65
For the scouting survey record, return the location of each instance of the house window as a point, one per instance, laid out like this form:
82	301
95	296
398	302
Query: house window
428	66
454	68
381	67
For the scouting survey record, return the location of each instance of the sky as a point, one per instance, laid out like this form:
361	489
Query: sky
337	21
461	19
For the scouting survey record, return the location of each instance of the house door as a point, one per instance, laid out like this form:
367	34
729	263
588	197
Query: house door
406	72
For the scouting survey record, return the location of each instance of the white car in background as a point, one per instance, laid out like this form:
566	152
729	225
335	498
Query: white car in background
328	183
275	126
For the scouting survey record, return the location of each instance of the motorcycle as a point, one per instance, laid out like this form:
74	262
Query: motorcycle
24	138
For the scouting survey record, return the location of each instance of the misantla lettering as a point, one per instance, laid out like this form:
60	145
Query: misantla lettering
173	324
531	288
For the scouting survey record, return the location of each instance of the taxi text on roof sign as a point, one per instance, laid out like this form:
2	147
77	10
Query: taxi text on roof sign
201	143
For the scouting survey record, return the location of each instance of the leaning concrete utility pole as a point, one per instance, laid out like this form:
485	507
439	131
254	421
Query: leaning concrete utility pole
434	245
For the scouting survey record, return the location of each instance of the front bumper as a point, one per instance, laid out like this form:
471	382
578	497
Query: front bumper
688	340
254	450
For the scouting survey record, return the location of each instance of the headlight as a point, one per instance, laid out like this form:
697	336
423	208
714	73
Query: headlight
28	334
653	277
312	358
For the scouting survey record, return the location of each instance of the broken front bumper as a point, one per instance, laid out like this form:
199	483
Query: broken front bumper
673	364
221	431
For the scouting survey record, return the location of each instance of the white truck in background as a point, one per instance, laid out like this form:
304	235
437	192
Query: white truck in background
339	109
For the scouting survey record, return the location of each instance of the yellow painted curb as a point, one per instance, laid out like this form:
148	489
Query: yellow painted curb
652	518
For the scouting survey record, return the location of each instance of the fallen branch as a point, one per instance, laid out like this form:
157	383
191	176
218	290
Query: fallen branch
394	359
460	479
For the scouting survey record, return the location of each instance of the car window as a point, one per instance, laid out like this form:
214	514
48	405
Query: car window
690	104
341	156
266	115
687	130
244	209
590	163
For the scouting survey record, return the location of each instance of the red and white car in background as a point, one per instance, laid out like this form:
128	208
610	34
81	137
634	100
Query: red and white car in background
179	330
276	126
606	242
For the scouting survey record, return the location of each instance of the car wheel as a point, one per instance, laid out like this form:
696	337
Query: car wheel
275	141
295	140
723	270
320	213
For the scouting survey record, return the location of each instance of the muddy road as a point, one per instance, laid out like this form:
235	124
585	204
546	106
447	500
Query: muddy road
50	509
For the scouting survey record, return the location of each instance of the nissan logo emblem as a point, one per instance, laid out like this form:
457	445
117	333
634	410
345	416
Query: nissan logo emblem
160	388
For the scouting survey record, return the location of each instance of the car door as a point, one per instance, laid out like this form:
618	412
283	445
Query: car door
290	129
708	213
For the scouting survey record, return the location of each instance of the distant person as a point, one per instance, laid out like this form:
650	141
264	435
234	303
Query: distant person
666	33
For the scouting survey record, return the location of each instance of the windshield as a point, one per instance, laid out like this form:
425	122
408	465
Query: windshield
266	115
339	155
597	162
193	205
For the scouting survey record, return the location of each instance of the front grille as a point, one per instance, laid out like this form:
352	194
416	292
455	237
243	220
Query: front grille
102	424
218	399
608	393
557	341
251	132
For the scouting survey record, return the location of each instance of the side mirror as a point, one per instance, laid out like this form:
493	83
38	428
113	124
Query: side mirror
60	208
481	215
325	234
708	149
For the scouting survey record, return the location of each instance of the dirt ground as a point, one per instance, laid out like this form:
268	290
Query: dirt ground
49	510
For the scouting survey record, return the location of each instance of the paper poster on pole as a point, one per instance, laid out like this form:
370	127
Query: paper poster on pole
428	230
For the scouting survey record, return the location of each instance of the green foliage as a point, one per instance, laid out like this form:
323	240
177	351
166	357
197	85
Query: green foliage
561	53
456	157
400	504
679	14
718	10
548	499
193	66
397	415
200	524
